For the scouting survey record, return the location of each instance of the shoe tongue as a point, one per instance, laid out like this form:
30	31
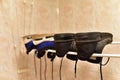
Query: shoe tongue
106	39
108	36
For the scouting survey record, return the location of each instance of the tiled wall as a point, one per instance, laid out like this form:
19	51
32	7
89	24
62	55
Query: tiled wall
22	17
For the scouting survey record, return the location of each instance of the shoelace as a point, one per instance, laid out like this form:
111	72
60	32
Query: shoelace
60	75
101	74
45	68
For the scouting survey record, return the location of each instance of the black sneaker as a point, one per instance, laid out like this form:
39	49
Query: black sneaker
63	43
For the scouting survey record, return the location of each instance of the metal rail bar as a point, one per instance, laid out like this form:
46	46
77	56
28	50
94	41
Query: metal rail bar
116	43
94	55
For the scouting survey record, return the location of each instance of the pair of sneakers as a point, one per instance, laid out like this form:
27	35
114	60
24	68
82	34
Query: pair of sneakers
39	48
85	44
